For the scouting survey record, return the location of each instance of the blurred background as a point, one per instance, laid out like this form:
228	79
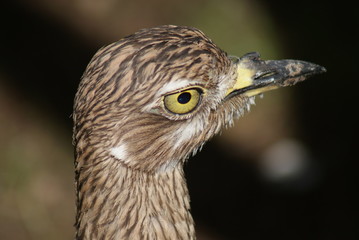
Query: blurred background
287	170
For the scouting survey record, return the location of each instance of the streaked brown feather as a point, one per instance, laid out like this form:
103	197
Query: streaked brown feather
144	196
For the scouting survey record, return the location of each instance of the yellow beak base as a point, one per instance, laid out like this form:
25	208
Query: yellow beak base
255	76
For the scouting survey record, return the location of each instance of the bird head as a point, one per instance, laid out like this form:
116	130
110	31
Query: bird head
154	97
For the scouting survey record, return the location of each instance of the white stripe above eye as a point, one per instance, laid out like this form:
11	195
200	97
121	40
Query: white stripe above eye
170	87
173	86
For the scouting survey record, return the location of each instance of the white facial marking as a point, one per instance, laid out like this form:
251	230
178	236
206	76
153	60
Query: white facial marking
223	85
119	152
173	86
187	131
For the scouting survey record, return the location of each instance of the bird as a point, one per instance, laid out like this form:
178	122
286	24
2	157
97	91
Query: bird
144	105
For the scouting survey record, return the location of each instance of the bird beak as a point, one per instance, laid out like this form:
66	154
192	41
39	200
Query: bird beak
256	76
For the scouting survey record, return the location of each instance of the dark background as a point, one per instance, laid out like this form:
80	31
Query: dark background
46	45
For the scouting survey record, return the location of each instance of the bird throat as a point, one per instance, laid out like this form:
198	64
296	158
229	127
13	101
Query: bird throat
132	204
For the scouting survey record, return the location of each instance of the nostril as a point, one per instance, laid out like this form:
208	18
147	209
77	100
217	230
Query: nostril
264	74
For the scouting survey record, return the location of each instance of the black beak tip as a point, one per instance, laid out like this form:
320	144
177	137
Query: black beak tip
298	71
322	69
316	69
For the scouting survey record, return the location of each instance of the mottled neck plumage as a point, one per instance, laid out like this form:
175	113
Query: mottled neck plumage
143	103
116	202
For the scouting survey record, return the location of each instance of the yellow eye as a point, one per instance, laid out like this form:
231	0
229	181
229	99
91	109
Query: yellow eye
183	102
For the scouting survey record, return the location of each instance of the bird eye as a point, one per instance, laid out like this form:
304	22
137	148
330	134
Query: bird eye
183	102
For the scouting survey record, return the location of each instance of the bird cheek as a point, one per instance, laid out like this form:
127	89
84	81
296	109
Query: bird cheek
156	111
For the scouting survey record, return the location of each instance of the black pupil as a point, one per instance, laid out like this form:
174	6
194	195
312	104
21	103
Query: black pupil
184	98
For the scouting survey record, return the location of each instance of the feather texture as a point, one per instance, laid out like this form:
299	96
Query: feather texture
129	149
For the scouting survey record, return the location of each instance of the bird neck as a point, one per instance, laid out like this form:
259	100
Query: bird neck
116	202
